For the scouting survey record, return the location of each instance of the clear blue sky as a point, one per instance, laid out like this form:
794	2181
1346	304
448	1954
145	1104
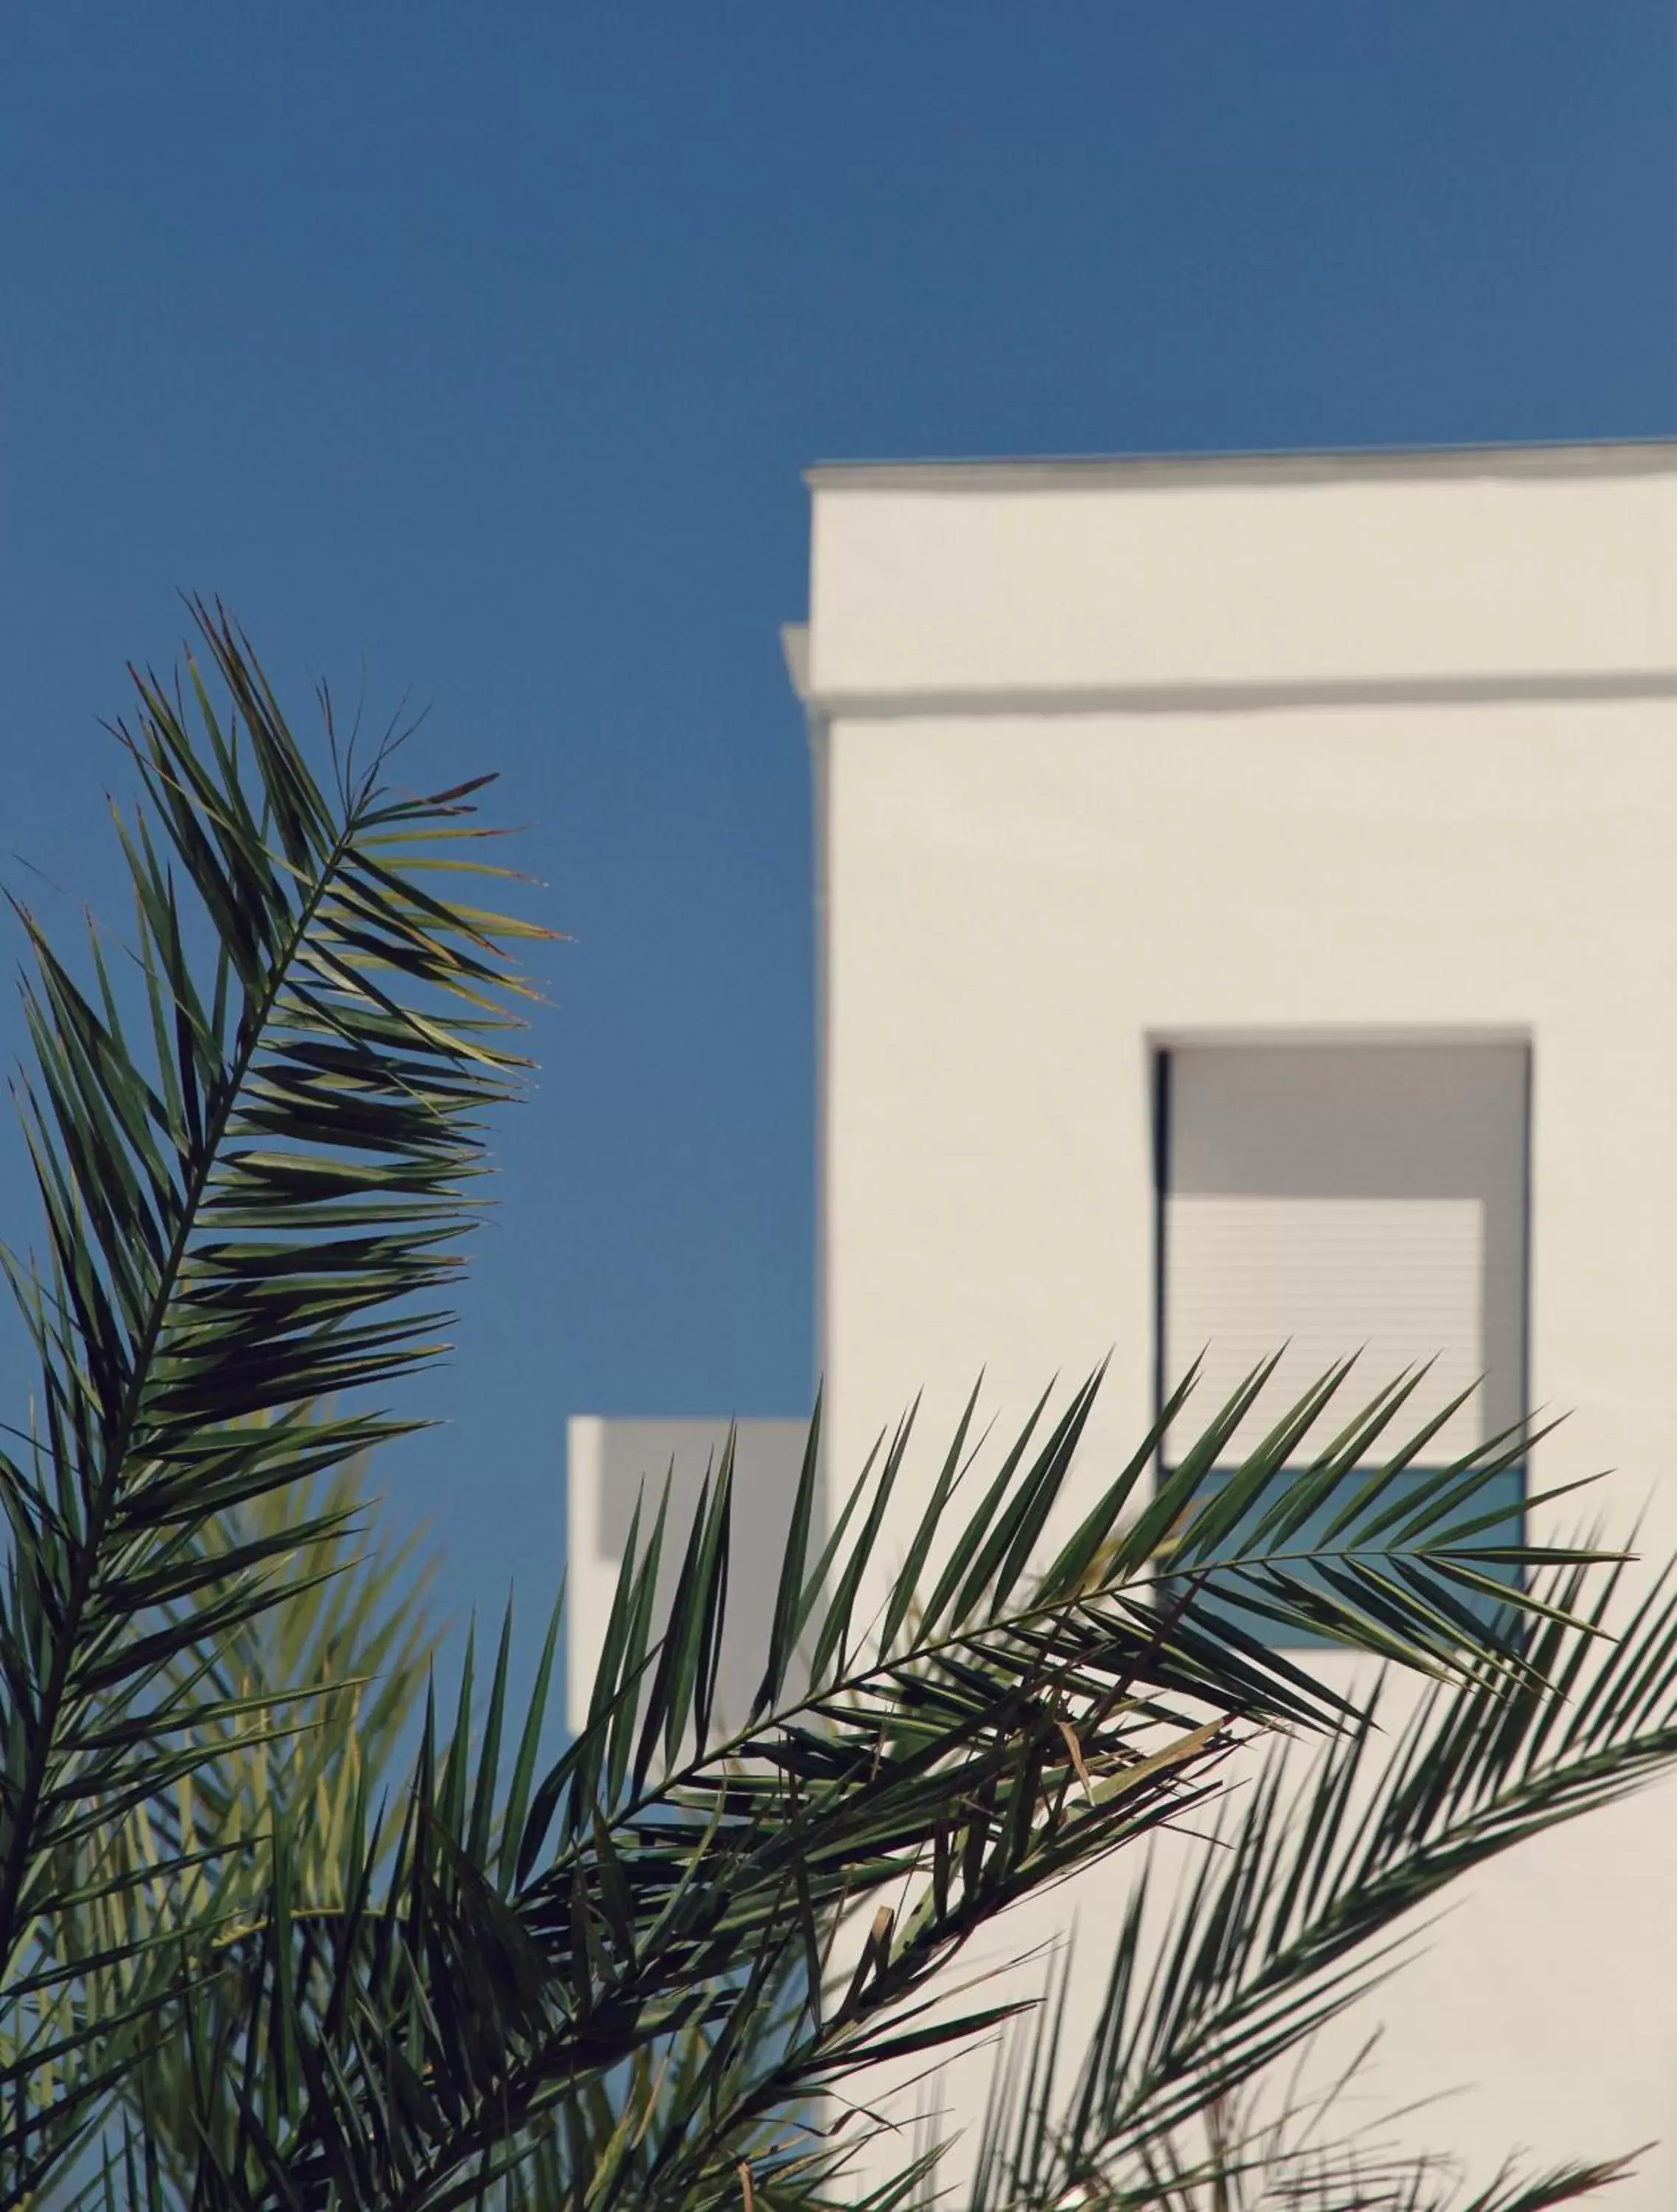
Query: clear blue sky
475	353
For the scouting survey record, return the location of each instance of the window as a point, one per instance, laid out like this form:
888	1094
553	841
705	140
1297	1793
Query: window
1336	1197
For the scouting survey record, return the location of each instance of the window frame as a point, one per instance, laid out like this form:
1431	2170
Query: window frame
1160	1047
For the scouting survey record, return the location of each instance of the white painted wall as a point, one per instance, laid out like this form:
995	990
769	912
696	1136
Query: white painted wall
1065	578
1113	754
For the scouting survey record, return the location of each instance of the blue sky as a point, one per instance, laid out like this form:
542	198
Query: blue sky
474	356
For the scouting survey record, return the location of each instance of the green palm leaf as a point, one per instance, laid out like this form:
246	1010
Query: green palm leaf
622	1979
658	1918
359	1646
254	1170
1315	1897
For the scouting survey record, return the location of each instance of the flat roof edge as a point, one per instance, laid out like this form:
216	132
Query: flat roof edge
1616	457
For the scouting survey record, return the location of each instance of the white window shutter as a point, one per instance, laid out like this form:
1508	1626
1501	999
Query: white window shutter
1333	1199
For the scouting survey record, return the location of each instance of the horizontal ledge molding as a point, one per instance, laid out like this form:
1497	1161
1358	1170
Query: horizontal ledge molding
1238	698
1626	457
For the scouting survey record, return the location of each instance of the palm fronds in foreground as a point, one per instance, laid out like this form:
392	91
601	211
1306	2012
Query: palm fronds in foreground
1317	1895
254	1169
359	1646
259	1975
615	1982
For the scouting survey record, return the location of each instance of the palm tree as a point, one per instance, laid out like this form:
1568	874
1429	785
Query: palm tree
244	1960
245	1216
1186	2092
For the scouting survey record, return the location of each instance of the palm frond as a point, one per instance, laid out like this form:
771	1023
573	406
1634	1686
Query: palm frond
349	1654
254	1168
1316	1895
638	1912
623	1980
1304	2141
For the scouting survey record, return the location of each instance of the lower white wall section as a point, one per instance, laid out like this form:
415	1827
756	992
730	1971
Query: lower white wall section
614	1464
1021	909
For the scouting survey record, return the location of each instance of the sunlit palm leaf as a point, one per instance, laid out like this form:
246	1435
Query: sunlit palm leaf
621	1981
663	1906
254	1168
361	1643
1306	1908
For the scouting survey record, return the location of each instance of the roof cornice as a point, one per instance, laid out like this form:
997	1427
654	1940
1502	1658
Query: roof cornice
1601	458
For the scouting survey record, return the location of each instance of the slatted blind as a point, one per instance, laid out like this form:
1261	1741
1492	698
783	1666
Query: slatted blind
1338	1199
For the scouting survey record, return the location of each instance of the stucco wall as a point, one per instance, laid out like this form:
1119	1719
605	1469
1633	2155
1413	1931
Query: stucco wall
1112	757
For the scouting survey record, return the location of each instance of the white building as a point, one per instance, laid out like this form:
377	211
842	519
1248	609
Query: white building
1248	900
